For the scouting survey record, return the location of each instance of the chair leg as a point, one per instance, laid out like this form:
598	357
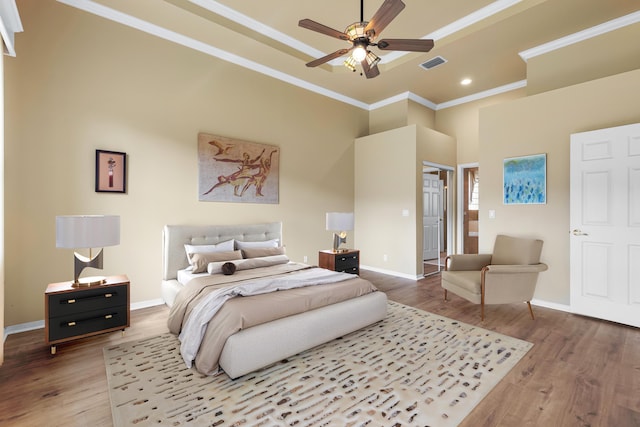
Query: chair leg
531	310
482	311
445	294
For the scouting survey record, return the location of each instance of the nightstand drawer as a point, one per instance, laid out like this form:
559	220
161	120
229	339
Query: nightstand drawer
71	325
87	300
346	262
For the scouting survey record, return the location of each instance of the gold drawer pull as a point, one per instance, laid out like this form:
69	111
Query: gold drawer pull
70	301
108	295
71	324
108	316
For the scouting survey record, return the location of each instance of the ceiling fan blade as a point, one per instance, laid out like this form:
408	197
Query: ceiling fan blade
322	29
370	72
328	58
410	45
387	12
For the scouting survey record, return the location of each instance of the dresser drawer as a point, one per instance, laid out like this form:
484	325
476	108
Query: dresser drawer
70	303
71	325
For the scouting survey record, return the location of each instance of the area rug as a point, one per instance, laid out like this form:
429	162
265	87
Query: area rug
412	368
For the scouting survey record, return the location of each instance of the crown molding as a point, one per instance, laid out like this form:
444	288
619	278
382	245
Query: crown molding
485	94
10	24
257	26
598	30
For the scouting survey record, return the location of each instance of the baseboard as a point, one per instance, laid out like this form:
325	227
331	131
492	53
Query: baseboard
146	304
22	327
39	324
552	305
391	273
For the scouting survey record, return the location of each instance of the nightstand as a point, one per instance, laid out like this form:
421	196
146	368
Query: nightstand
347	261
78	312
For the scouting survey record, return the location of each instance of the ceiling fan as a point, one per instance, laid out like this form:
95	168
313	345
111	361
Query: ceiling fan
362	34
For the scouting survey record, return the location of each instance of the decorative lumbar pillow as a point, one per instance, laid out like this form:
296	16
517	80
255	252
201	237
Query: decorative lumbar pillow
228	245
260	252
273	243
247	264
228	268
200	261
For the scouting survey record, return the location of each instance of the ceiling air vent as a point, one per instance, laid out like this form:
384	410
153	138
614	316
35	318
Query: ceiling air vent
433	62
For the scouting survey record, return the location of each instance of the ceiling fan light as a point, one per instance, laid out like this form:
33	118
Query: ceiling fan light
356	30
359	53
372	59
350	63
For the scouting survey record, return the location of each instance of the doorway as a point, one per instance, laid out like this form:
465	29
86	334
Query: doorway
437	209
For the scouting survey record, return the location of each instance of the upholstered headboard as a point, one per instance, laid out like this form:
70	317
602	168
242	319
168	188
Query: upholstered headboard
174	237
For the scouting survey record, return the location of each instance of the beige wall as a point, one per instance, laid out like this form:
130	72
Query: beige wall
462	122
400	114
543	124
388	181
385	185
83	83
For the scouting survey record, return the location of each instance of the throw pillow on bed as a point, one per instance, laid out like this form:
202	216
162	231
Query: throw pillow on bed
228	268
228	245
260	252
273	243
200	261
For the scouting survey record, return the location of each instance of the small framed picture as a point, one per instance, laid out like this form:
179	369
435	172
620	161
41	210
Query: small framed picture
111	172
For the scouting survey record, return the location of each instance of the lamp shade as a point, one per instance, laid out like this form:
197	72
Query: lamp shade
87	231
339	221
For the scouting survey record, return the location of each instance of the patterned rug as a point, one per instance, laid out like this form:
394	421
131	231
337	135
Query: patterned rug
413	368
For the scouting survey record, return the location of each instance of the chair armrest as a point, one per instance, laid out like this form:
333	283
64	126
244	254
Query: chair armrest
467	262
509	269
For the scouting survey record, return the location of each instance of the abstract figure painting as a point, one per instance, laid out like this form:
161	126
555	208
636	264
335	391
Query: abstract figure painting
232	170
525	180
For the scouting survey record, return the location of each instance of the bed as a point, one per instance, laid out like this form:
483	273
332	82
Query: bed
332	314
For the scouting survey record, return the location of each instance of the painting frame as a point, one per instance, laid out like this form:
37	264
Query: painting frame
237	171
525	180
111	171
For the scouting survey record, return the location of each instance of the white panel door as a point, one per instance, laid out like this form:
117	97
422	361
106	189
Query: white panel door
605	224
431	216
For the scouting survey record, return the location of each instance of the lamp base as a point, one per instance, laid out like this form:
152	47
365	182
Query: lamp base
85	282
338	239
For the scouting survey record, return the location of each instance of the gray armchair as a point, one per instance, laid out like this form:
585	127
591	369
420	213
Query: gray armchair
506	276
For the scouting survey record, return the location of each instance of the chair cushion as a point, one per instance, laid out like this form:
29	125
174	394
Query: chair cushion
516	251
467	280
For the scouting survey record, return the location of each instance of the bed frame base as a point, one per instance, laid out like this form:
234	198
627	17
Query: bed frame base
266	344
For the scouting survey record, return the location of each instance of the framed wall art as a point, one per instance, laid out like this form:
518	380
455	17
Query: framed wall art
111	172
525	180
232	170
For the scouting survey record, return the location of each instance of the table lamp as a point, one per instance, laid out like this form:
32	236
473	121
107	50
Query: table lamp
87	231
339	223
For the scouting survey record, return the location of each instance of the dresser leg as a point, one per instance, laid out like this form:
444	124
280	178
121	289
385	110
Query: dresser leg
53	349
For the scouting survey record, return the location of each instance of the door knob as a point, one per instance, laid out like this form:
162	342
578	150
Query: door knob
577	232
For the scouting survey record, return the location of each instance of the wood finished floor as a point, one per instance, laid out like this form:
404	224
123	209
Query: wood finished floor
580	372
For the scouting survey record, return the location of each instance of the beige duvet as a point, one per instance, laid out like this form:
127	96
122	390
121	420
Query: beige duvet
243	312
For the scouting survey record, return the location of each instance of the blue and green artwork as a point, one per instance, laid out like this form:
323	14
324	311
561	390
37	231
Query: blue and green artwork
525	180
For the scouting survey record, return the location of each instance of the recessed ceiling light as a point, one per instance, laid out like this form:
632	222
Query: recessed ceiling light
465	82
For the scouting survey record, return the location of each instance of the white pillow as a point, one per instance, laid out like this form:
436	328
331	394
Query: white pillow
202	249
273	243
